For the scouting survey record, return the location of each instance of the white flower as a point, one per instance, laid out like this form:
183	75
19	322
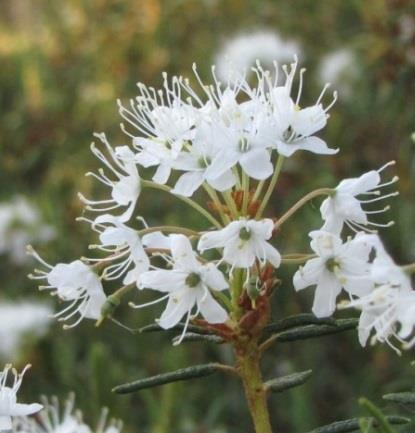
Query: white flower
337	265
68	420
345	207
187	284
339	68
238	132
76	283
123	243
21	223
19	319
390	304
292	125
8	401
243	242
241	52
127	186
197	160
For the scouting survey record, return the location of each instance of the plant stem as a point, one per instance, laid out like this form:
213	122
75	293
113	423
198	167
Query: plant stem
190	202
214	197
409	269
300	203
271	186
169	229
255	393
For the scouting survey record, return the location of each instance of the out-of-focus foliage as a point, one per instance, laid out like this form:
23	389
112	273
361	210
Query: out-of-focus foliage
64	63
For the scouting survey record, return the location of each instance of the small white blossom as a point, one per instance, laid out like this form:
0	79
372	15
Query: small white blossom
339	68
72	282
337	265
21	223
391	303
243	242
293	126
344	206
125	247
8	401
18	320
53	419
241	52
187	284
126	189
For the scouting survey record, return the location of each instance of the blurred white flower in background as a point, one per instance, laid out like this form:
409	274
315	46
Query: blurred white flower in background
21	224
241	52
340	69
64	418
18	321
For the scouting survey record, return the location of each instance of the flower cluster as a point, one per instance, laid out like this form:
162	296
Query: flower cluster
54	419
8	401
229	141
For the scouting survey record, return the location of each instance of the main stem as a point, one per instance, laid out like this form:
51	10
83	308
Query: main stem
248	365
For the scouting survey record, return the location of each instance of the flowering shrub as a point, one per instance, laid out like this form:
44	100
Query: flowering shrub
231	141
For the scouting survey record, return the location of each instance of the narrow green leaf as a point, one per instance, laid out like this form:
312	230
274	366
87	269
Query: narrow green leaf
173	376
351	425
154	327
314	331
191	336
281	384
297	320
401	397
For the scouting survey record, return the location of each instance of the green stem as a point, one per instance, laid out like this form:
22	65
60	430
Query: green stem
230	203
377	414
296	259
248	366
409	269
258	190
214	197
245	189
169	229
190	202
271	186
236	289
300	203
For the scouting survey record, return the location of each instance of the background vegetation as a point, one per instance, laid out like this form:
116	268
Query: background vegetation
63	64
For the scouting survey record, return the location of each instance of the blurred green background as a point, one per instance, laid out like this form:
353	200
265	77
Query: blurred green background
64	64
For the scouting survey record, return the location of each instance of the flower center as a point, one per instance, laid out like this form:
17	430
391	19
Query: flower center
243	145
192	280
288	134
245	234
332	264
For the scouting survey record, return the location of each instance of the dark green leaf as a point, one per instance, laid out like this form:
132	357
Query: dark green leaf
351	425
297	320
173	376
314	331
154	327
190	336
401	397
281	384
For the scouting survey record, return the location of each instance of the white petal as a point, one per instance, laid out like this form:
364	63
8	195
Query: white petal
213	277
257	164
314	145
19	409
5	423
162	174
210	309
225	181
176	308
325	295
188	183
163	280
183	255
309	120
308	275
